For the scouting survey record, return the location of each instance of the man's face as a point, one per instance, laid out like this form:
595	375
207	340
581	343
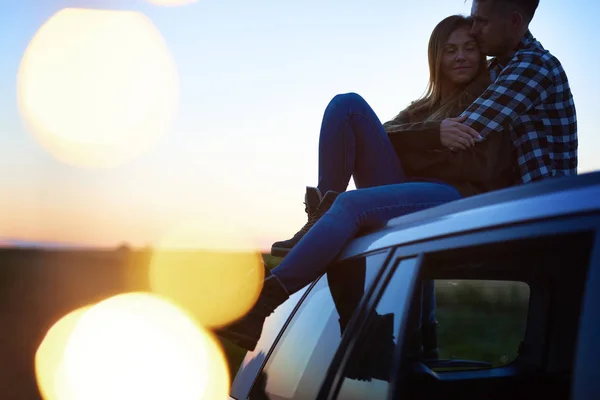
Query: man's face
491	27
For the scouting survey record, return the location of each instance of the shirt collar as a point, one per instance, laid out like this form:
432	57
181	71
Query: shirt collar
526	41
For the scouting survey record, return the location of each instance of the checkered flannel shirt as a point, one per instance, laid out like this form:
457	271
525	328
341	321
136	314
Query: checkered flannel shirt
531	98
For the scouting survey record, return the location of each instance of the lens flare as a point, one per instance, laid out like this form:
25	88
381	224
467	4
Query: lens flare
211	270
141	346
49	366
171	2
97	87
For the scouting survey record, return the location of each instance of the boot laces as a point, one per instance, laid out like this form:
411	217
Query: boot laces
313	216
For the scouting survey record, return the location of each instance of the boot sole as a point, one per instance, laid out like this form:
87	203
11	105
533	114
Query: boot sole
279	251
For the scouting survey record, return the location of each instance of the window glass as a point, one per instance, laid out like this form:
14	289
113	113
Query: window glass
481	324
481	320
366	375
297	366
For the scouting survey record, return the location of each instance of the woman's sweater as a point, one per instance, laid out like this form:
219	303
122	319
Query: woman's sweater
486	166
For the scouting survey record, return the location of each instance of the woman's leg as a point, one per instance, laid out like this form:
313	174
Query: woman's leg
350	212
352	142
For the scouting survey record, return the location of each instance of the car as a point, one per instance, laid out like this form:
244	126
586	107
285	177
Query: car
517	286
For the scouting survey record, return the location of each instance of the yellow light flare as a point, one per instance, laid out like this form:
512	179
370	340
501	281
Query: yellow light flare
97	87
211	270
171	2
141	346
49	366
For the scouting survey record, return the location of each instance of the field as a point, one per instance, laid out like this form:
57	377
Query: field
38	287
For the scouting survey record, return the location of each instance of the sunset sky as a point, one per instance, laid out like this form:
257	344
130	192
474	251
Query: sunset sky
251	80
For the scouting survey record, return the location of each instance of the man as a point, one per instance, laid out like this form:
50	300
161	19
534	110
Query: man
530	96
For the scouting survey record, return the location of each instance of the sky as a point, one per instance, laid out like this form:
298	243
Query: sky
239	110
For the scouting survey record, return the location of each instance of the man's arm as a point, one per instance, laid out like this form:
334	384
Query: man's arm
519	87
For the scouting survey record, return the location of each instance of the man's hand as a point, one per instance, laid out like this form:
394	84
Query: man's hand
456	135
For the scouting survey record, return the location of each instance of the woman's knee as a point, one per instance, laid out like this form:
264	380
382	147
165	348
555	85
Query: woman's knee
345	202
449	193
347	99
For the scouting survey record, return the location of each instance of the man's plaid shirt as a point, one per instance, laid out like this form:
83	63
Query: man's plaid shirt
531	98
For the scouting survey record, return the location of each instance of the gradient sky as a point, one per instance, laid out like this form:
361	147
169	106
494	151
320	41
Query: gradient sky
255	78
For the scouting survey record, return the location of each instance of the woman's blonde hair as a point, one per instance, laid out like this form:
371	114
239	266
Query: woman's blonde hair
432	99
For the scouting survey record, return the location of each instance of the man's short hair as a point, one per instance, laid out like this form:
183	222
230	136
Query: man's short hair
527	7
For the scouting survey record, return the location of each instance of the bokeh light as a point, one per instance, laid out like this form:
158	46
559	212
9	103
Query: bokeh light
211	270
97	87
141	346
171	2
49	366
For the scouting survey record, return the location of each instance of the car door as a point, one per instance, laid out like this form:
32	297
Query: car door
524	282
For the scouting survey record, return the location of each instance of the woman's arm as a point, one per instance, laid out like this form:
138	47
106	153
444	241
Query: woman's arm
479	163
413	136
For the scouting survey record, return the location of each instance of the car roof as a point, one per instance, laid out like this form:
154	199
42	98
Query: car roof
549	198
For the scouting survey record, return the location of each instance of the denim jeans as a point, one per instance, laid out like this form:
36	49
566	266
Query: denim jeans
353	143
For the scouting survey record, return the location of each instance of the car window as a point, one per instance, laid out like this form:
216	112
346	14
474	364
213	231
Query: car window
483	320
480	324
507	310
297	366
367	373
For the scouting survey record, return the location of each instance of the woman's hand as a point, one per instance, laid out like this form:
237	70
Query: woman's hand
456	135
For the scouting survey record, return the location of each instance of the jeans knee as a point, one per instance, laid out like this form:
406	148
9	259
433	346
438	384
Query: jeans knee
342	199
450	194
344	202
347	99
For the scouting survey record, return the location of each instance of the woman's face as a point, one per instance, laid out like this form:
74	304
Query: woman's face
460	57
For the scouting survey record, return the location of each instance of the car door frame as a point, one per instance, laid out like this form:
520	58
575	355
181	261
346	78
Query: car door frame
585	381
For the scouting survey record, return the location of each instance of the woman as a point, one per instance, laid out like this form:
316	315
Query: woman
408	164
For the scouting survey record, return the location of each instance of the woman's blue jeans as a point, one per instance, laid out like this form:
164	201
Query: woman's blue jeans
353	143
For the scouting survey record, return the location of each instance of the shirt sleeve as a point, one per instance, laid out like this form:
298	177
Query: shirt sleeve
408	135
522	84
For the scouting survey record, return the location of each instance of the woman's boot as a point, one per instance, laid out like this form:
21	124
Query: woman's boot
316	205
246	331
